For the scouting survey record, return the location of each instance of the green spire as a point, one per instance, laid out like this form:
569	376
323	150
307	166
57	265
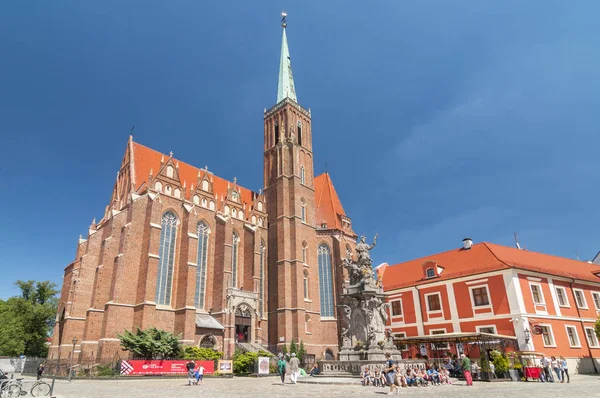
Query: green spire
285	88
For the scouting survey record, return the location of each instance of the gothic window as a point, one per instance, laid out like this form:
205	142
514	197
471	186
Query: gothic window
329	355
260	206
302	175
226	209
276	132
325	281
211	205
204	202
197	200
299	132
202	231
234	196
303	210
234	212
262	277
307	323
304	252
158	186
253	219
205	185
170	171
168	190
241	215
305	282
177	193
260	221
166	253
234	258
208	341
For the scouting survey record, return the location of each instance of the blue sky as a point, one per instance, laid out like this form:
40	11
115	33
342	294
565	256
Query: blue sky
437	120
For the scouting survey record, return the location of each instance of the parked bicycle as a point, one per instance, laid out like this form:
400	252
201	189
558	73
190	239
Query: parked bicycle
19	387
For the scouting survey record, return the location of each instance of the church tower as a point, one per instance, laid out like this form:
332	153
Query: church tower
290	195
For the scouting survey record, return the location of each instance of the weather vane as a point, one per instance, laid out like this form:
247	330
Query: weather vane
283	21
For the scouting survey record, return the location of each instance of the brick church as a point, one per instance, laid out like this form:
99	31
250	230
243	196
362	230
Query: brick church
183	250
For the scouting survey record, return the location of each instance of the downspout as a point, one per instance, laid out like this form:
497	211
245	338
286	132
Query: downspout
583	326
422	321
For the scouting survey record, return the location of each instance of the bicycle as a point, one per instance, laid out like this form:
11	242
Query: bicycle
17	388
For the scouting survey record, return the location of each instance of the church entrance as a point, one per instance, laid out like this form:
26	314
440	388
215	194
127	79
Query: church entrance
243	323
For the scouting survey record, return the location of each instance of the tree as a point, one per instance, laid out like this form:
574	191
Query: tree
597	328
151	343
284	350
293	347
27	320
301	351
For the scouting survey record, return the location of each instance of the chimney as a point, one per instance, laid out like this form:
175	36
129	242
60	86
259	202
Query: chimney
467	243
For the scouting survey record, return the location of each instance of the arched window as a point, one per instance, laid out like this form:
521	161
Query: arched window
276	132
260	221
328	355
168	190
430	272
303	210
158	186
234	212
260	206
202	232
299	132
234	258
226	209
304	252
196	200
204	202
177	193
208	341
262	277
211	205
305	282
204	185
325	281
302	175
166	254
307	324
170	171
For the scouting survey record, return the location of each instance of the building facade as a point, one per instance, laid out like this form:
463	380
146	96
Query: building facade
549	303
181	249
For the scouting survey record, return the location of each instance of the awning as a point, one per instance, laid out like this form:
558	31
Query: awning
453	338
207	321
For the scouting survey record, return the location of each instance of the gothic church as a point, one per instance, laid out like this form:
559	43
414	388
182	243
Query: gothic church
183	250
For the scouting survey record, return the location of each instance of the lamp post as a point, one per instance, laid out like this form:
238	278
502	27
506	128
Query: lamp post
72	358
527	336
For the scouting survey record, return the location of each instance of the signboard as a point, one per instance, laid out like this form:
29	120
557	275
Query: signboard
161	367
225	366
263	365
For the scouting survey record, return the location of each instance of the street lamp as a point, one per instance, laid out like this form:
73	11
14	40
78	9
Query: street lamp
527	336
72	358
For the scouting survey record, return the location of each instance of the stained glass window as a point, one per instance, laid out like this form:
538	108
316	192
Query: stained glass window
166	253
325	281
202	232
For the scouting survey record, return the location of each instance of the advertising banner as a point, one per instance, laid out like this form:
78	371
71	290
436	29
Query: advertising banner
225	366
161	367
263	365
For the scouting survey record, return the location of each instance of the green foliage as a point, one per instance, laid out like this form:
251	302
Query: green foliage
151	343
201	353
243	362
500	362
485	364
301	351
597	328
293	347
284	350
27	320
106	371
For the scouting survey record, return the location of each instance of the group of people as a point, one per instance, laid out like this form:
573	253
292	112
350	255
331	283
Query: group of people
411	377
560	368
195	373
282	366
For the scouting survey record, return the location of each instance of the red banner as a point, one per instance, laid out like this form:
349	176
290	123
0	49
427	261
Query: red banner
161	367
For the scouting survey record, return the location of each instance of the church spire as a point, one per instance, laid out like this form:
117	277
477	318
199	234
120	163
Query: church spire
285	88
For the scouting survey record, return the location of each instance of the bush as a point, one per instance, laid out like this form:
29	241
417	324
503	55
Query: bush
151	343
106	371
243	362
202	354
500	362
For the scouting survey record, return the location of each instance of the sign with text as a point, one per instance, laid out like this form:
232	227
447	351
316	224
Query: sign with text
263	365
225	366
161	367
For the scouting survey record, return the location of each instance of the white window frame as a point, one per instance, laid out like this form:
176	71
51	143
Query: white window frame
401	307
435	347
585	306
487	288
430	311
594	295
575	334
550	333
427	276
541	293
478	328
594	343
564	290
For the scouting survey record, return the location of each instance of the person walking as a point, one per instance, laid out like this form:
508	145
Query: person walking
281	367
555	366
390	374
190	366
294	366
466	368
199	373
564	369
40	371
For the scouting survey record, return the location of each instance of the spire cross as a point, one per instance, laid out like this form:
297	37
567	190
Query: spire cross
283	17
234	180
171	154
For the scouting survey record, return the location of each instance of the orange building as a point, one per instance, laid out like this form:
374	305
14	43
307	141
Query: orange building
549	303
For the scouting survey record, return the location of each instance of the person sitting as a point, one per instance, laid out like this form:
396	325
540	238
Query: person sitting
366	380
377	377
314	370
410	379
434	376
424	378
474	370
445	376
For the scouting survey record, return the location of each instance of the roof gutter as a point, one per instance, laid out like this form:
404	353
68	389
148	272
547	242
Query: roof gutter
587	343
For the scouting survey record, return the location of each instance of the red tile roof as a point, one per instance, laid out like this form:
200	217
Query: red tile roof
327	203
486	257
146	159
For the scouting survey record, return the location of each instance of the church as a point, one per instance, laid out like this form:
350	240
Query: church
183	250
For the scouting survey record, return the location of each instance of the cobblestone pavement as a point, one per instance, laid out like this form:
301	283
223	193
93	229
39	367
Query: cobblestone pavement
584	386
